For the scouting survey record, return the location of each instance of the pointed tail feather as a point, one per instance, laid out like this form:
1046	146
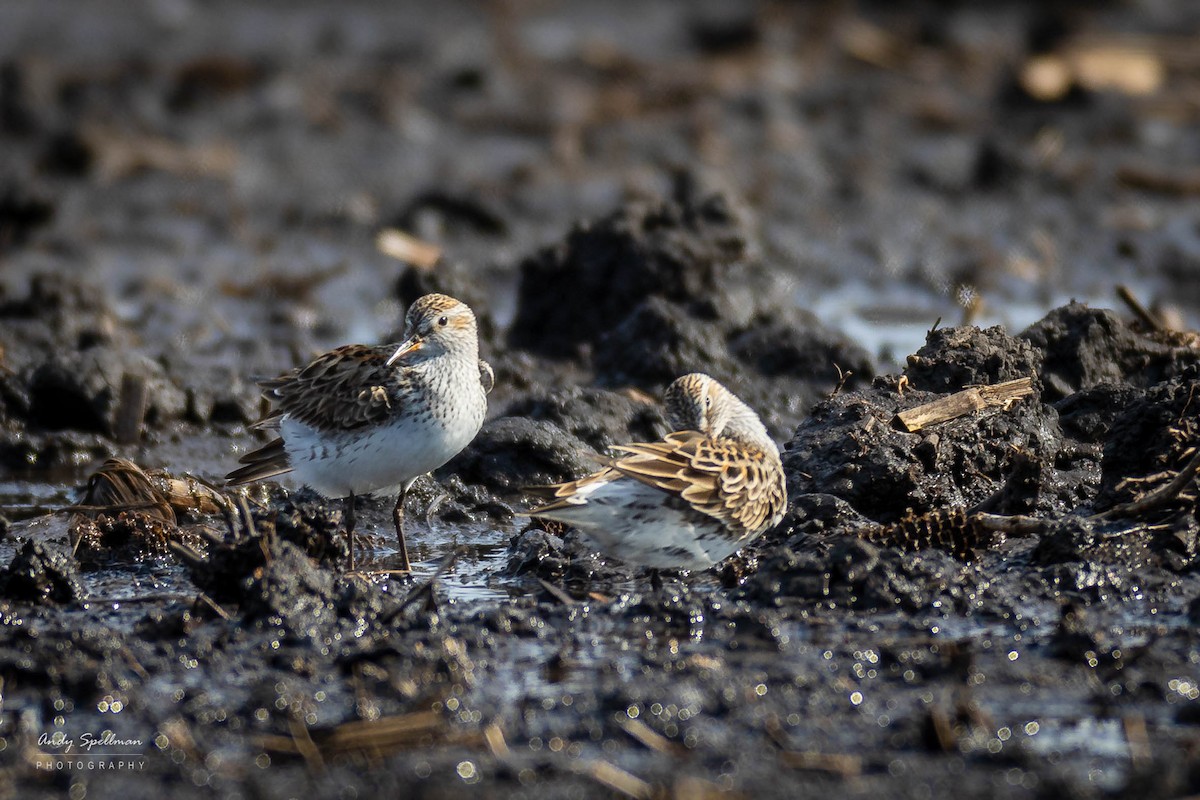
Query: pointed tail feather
265	462
571	494
548	493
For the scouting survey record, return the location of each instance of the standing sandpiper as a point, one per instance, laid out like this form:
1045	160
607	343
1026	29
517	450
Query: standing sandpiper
687	501
372	419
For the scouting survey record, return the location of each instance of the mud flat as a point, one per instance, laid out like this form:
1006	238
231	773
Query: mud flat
1002	603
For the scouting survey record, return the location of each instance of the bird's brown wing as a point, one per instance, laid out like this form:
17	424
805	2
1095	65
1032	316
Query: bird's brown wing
344	389
740	486
341	390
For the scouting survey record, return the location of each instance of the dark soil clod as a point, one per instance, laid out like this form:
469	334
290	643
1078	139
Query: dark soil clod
40	573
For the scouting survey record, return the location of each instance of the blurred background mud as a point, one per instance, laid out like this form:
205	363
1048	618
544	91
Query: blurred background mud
789	195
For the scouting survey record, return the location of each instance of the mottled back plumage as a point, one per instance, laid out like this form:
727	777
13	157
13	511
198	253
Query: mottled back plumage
341	390
727	481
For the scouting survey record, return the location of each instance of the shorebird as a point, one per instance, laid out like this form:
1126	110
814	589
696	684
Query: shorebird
365	419
688	501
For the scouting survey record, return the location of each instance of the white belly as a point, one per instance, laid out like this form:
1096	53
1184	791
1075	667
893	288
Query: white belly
630	521
385	457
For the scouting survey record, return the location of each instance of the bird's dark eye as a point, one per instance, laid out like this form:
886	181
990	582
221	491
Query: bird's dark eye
443	321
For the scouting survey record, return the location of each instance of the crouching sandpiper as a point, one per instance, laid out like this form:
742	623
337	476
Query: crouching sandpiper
690	500
365	419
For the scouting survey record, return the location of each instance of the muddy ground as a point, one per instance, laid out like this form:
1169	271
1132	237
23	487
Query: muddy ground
805	200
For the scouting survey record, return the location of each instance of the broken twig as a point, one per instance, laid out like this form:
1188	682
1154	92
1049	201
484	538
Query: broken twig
837	764
131	408
557	593
615	778
968	401
649	737
407	248
1159	497
1140	311
373	738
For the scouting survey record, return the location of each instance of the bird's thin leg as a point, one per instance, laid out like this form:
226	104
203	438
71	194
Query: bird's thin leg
398	519
349	515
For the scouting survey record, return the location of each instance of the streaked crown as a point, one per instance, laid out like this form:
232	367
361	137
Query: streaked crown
426	311
443	324
698	402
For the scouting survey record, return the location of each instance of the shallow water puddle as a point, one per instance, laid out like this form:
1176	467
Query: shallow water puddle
893	318
482	552
130	583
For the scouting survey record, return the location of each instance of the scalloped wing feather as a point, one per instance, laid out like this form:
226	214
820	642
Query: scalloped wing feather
738	485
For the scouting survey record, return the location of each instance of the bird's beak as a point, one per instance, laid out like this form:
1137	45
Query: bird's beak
409	346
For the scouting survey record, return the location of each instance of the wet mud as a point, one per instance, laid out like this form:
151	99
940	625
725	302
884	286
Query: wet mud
1002	604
